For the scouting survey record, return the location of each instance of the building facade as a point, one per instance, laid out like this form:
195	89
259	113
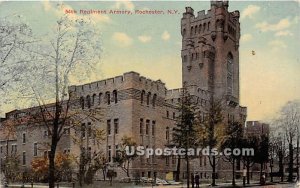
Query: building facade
144	109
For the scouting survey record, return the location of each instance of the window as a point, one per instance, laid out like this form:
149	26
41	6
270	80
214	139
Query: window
148	98
185	58
89	130
153	128
167	114
174	116
167	133
83	130
173	160
1	149
108	127
192	31
109	154
66	130
147	126
93	99
167	161
24	138
154	100
141	126
24	158
46	133
35	149
116	125
196	29
88	101
82	102
108	98
142	96
14	148
200	27
229	73
100	98
115	95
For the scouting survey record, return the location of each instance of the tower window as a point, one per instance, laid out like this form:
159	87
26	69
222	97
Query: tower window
192	31
147	126
229	73
148	98
141	126
154	100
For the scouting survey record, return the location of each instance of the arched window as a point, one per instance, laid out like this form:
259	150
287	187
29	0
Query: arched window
82	102
107	95
154	100
200	27
141	126
115	96
192	31
196	29
88	101
229	73
208	25
93	99
148	98
100	98
142	96
204	27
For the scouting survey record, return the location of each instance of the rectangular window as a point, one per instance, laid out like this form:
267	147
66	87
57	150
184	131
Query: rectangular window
109	153
147	126
35	149
116	125
24	158
153	128
83	130
174	116
89	131
108	127
141	126
167	161
24	138
167	114
1	149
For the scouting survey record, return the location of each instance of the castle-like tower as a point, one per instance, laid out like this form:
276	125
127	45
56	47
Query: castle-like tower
210	50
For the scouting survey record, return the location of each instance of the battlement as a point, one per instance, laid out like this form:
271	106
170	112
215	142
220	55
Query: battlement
193	90
127	80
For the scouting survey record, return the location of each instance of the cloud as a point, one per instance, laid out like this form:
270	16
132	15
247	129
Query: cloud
277	45
165	35
122	39
124	4
246	38
282	24
144	38
283	33
250	11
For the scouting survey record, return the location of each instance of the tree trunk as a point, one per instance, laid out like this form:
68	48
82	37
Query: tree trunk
51	176
280	163
213	170
248	170
291	162
233	173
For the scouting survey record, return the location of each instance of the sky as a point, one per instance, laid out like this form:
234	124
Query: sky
151	44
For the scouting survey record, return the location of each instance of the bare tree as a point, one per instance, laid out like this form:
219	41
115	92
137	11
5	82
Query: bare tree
289	121
70	52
